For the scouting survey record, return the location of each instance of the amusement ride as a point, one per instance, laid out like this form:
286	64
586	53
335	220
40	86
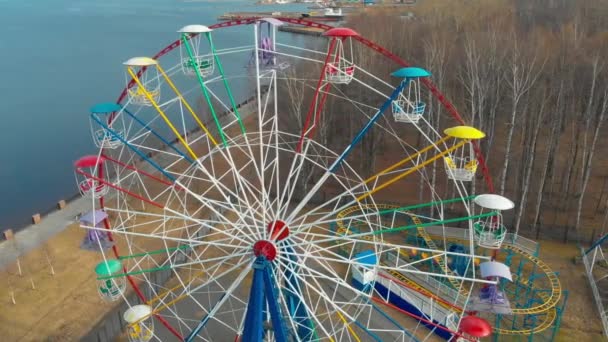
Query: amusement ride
334	204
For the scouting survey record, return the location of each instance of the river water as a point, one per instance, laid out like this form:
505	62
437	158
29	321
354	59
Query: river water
57	59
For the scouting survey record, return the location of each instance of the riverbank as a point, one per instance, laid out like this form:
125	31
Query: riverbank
63	306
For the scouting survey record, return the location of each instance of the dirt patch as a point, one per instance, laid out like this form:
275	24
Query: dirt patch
62	307
580	320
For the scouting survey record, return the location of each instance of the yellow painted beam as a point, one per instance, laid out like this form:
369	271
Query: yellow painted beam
160	111
164	293
415	155
186	104
350	329
412	170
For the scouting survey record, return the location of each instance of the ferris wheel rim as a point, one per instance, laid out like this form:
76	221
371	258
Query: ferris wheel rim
451	109
366	42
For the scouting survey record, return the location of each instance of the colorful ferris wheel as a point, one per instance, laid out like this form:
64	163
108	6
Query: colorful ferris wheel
261	193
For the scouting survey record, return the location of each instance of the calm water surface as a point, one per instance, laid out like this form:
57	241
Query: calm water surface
57	58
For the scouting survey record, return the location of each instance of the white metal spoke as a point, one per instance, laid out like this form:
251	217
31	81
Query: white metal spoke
218	161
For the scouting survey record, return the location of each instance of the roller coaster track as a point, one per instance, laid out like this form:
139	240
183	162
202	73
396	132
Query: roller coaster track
549	301
441	261
556	287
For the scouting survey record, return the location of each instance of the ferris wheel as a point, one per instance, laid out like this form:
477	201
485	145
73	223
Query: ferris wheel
261	192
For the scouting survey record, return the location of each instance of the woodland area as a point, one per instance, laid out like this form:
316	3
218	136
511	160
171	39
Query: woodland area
533	75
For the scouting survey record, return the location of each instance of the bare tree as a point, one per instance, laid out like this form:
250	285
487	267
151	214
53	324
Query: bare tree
295	91
549	165
436	53
588	160
535	120
605	221
523	73
580	132
490	72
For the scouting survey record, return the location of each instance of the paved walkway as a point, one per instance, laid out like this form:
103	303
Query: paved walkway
35	235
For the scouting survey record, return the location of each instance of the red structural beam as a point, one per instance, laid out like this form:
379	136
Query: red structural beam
422	319
141	296
316	106
132	168
103	181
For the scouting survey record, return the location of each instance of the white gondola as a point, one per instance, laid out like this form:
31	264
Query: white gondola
150	80
106	113
266	44
86	170
192	51
140	326
341	72
340	69
408	112
105	139
462	168
92	188
490	232
408	107
461	164
96	239
110	282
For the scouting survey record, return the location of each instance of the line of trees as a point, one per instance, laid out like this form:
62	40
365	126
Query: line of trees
533	75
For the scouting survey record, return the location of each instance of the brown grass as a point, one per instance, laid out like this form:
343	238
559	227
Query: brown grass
62	307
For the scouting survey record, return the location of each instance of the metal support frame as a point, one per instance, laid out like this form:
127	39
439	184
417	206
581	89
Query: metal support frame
532	298
596	244
263	294
591	258
292	292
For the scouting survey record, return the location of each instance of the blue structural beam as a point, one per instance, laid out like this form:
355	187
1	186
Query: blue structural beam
293	293
263	292
278	325
202	323
369	124
597	243
147	127
412	337
253	330
131	147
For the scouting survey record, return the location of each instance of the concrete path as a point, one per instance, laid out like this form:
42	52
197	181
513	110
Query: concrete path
35	235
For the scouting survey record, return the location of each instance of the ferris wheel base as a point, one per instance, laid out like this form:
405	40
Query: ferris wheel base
263	294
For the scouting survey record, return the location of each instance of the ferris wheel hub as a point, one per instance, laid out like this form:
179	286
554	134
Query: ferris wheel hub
278	230
266	249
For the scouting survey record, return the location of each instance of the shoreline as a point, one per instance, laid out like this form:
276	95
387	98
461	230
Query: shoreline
54	220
